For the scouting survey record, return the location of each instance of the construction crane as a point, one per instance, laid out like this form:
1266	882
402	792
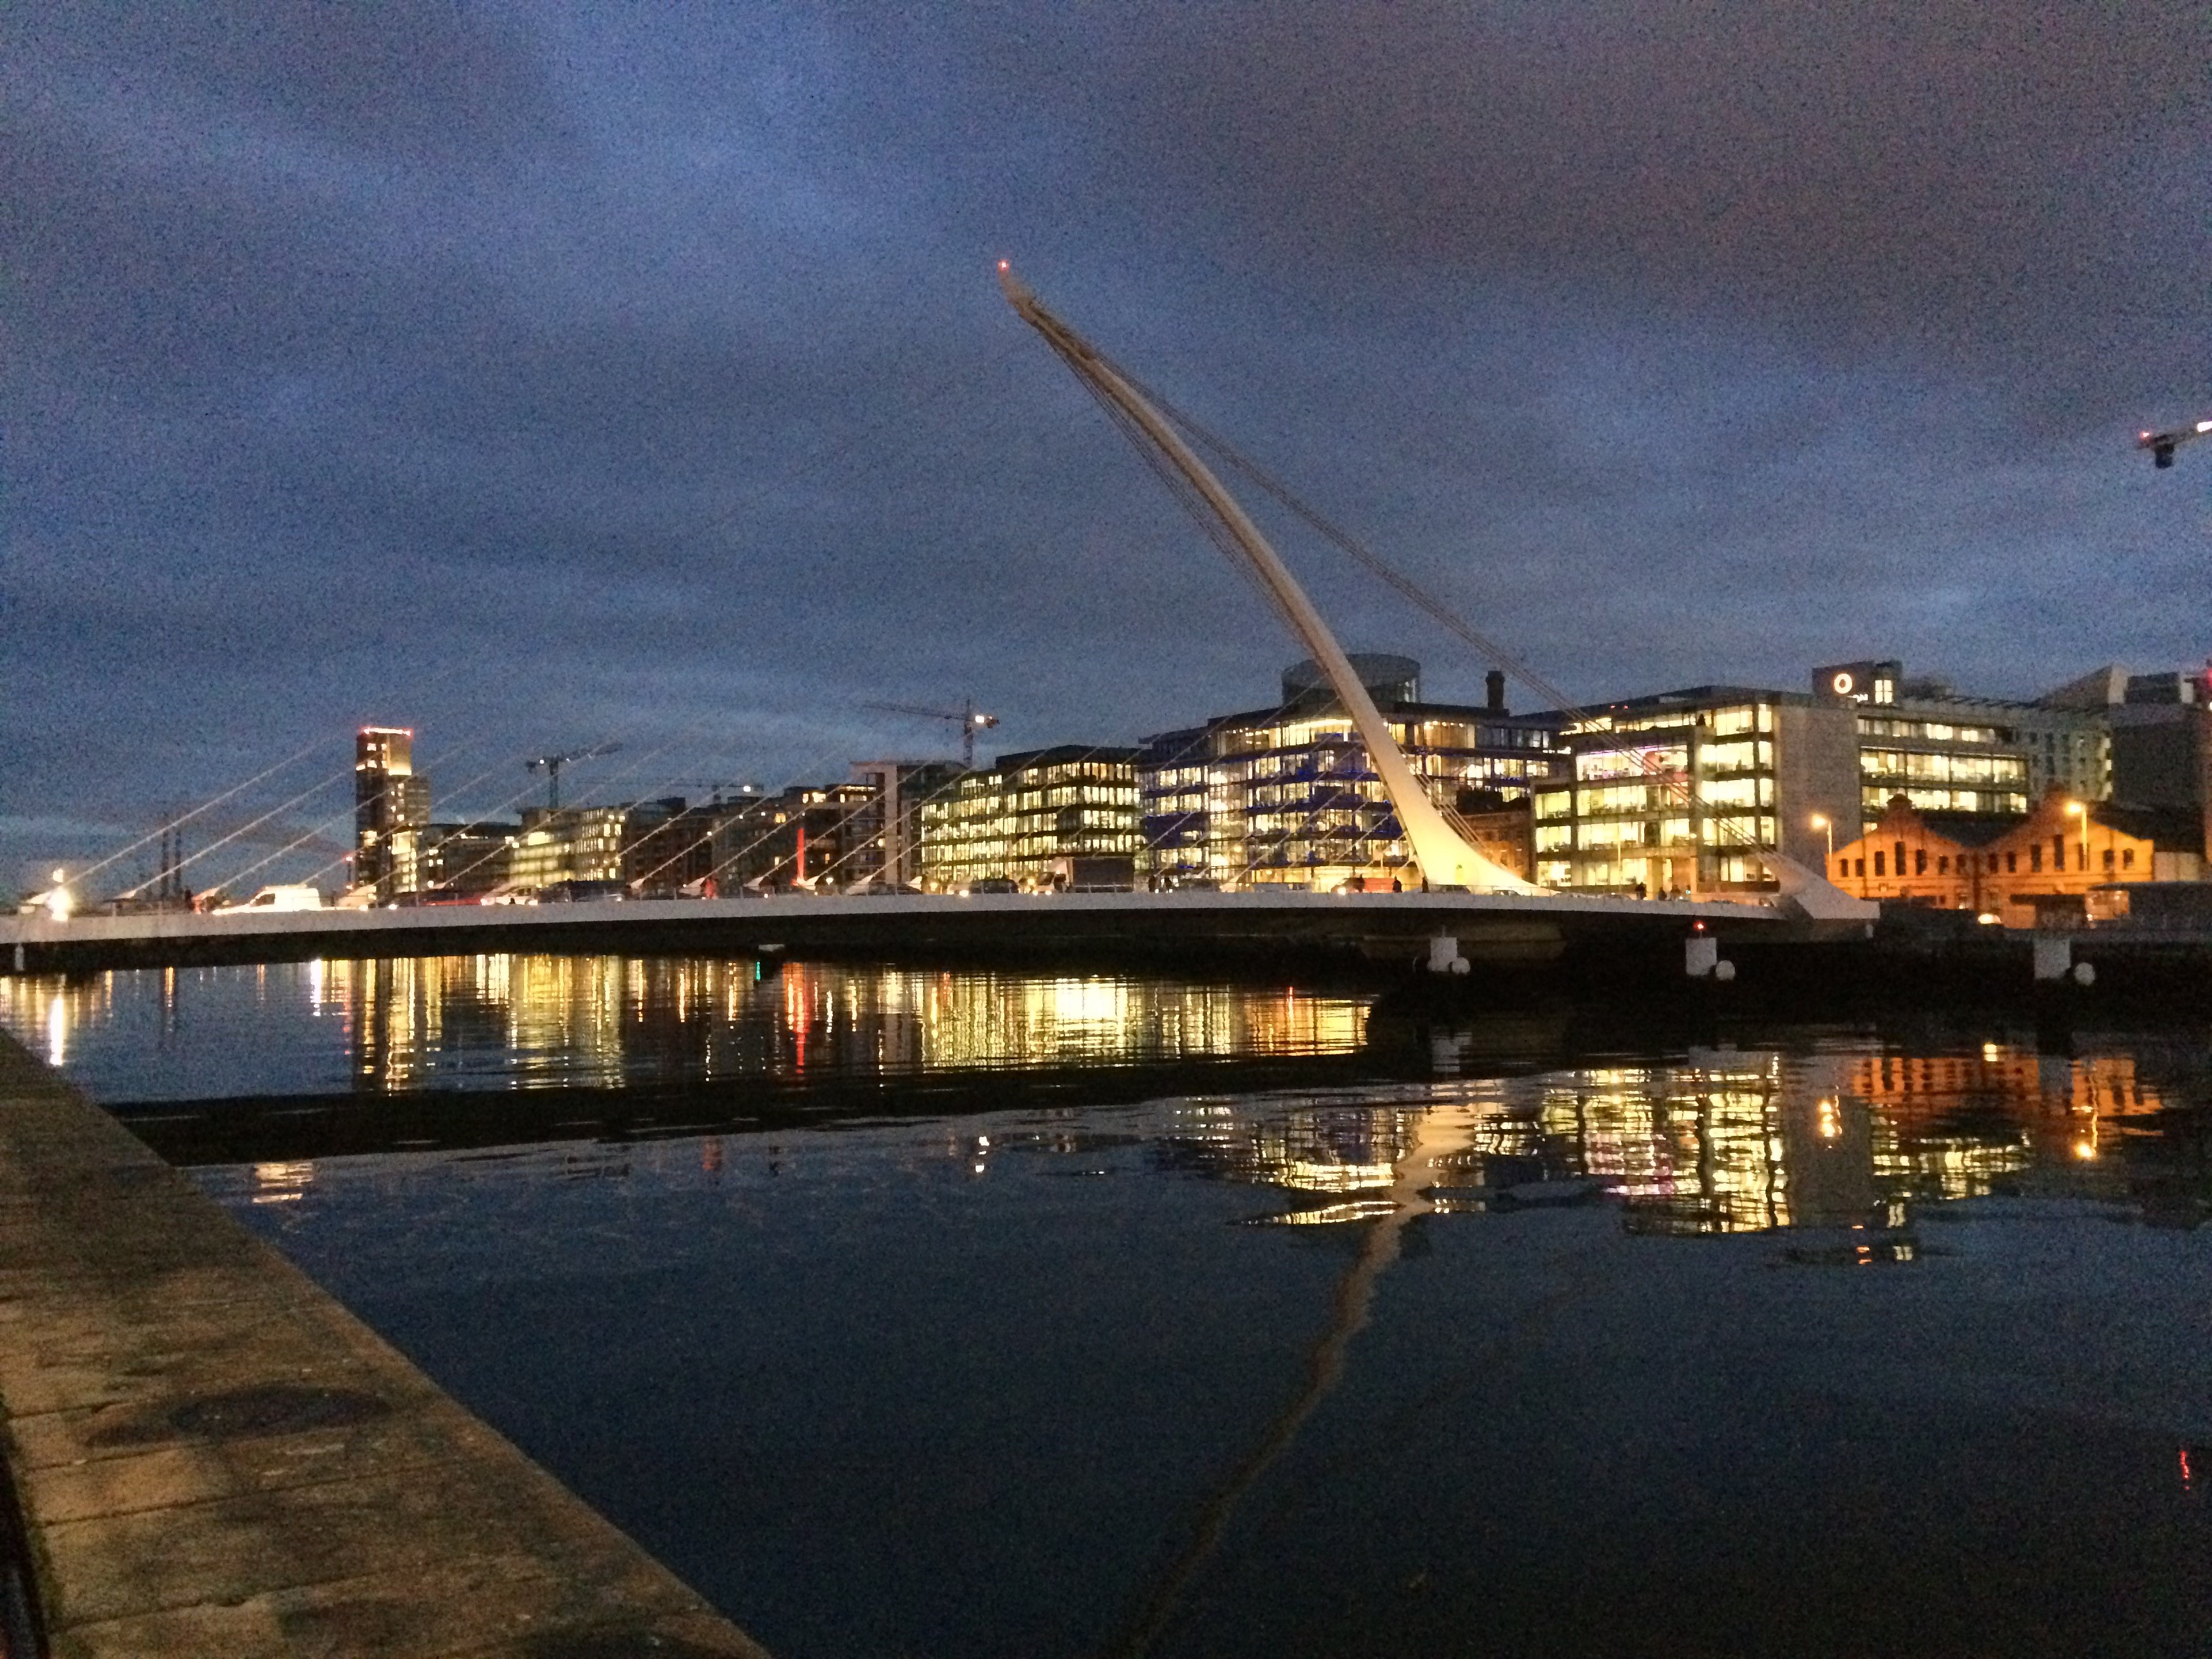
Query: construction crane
969	718
2163	445
551	765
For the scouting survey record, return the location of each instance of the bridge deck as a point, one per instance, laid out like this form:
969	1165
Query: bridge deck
1373	928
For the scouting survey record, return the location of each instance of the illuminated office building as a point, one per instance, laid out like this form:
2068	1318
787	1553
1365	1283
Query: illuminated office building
805	838
390	806
1288	795
1050	817
568	844
467	858
886	831
1680	793
1946	752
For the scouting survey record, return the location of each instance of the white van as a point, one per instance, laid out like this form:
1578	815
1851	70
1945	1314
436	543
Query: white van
282	898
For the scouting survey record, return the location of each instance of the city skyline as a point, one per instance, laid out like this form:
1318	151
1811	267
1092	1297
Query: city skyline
550	379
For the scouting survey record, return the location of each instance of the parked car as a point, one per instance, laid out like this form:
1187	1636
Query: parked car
581	892
995	884
434	895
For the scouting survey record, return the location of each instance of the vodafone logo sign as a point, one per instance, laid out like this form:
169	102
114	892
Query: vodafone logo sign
1843	684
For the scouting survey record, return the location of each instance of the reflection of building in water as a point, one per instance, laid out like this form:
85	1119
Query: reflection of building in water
282	1183
45	1010
603	1020
413	1023
1937	1118
1740	1143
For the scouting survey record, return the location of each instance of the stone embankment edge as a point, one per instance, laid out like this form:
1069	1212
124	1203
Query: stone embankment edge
212	1456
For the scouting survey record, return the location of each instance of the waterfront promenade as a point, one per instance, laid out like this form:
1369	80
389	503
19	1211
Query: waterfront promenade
210	1455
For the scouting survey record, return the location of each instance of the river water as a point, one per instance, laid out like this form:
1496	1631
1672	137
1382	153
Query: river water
1488	1338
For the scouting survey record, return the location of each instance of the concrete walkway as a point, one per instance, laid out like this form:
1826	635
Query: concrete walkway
213	1457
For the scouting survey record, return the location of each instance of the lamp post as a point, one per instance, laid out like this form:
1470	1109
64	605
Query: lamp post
1820	821
2075	809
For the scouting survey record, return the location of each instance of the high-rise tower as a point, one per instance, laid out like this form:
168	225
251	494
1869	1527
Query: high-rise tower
391	805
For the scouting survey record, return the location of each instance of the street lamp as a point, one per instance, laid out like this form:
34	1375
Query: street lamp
1820	821
2075	809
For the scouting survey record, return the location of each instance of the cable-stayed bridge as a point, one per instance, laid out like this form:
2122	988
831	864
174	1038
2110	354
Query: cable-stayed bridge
1474	909
1258	928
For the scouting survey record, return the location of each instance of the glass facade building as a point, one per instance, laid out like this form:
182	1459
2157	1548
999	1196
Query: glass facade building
1050	817
1288	795
568	844
1945	753
1681	793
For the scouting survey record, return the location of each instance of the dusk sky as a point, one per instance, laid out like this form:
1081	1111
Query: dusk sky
539	376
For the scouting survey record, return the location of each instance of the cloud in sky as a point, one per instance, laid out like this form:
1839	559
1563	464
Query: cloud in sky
532	375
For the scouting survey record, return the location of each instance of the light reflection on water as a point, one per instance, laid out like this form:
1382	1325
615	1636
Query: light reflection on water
1777	1348
508	1021
1546	1363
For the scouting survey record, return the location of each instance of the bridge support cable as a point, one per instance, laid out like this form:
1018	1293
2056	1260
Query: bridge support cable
350	815
205	807
607	746
1445	858
246	828
1809	891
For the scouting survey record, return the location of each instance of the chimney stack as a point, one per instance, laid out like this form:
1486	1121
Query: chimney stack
1495	681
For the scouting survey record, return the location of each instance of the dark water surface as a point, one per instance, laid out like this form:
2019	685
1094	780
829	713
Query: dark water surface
1793	1342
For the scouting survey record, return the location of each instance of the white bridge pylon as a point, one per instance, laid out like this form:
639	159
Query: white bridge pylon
1445	857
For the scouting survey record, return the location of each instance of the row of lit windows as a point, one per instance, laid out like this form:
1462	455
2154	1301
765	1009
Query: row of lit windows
1872	726
1746	755
1614	872
1943	767
1600	763
1188	801
1308	853
1084	794
1722	722
1651	832
1875	798
1327	822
